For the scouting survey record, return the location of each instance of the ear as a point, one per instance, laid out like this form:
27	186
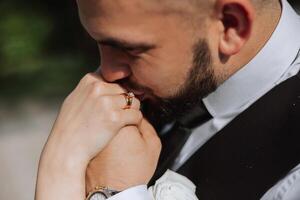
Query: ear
237	18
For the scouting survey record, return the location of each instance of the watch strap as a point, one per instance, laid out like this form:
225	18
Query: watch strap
107	192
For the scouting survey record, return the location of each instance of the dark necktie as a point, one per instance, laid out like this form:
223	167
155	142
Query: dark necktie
174	139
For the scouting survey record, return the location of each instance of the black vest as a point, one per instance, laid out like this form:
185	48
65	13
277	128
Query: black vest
253	152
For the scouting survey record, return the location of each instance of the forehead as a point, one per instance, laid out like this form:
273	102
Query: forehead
105	13
94	8
111	7
117	16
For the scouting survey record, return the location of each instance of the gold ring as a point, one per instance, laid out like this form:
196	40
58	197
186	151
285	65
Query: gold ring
129	99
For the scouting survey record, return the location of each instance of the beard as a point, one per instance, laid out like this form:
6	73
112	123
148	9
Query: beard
199	83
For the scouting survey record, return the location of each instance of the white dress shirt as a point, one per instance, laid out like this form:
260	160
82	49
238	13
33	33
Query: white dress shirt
277	61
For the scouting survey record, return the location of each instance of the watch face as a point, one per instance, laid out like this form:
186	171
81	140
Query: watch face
98	196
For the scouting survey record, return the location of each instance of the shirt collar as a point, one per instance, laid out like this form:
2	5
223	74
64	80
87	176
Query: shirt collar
261	73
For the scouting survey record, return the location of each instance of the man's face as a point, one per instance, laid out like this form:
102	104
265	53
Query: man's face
151	49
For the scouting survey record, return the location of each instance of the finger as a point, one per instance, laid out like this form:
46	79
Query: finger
129	129
103	88
109	88
131	117
94	84
150	136
131	102
118	102
146	129
88	79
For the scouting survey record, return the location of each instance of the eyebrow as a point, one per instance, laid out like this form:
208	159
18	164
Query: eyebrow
126	45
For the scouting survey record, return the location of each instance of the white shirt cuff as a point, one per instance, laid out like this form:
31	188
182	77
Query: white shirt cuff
135	193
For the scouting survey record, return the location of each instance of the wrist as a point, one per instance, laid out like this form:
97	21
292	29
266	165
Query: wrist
107	177
56	155
60	181
66	169
111	183
59	169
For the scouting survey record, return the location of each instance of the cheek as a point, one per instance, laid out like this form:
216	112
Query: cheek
164	77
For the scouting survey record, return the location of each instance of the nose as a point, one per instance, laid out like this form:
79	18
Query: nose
114	65
113	73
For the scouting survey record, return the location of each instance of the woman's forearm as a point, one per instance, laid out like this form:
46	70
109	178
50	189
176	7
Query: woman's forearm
60	179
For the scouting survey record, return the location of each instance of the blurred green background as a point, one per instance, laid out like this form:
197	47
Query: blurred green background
43	49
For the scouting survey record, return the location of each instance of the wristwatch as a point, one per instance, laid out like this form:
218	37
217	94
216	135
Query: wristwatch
101	193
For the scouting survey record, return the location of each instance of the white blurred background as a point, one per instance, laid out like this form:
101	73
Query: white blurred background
24	131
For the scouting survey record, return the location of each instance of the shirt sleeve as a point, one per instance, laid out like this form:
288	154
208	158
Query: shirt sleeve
135	193
286	189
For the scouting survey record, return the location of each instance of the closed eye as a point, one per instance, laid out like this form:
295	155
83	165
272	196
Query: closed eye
134	49
135	52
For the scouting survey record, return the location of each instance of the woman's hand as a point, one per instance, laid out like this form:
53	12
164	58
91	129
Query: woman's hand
129	160
89	118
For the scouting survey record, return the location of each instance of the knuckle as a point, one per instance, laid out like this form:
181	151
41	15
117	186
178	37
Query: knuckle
96	88
88	78
105	102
